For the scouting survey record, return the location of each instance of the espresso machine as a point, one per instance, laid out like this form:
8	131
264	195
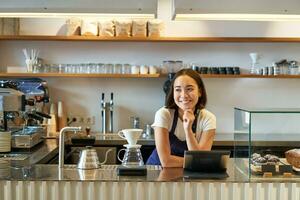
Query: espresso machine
21	110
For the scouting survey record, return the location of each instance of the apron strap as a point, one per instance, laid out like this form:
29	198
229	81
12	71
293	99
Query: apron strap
174	124
194	126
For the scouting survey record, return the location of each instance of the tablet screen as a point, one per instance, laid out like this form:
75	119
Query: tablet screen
206	161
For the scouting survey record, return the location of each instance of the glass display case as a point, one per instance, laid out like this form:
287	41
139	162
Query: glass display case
267	143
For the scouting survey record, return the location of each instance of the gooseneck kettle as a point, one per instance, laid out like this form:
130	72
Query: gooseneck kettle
89	158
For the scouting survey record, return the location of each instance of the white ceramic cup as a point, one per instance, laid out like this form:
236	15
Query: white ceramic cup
135	69
131	135
152	69
144	69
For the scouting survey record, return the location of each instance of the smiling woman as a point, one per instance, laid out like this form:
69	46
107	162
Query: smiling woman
183	123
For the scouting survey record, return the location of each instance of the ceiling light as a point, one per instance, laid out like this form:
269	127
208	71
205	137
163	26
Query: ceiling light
237	17
236	10
79	8
65	15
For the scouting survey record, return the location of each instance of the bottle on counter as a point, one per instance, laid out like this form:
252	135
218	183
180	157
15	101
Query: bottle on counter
135	122
51	124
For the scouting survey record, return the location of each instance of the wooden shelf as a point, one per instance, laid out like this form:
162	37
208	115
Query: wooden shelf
244	76
149	39
248	76
79	75
3	75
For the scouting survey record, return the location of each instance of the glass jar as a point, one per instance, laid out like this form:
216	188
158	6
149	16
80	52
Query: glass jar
46	68
284	68
171	66
61	68
178	65
126	69
135	122
37	68
109	68
293	68
88	68
118	69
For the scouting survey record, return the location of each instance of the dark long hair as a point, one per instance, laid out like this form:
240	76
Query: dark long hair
170	103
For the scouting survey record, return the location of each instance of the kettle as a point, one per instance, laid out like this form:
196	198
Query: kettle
89	158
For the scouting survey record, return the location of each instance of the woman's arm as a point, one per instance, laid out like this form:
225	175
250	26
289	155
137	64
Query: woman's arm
163	149
205	143
206	139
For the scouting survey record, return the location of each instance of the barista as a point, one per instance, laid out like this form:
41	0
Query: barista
183	123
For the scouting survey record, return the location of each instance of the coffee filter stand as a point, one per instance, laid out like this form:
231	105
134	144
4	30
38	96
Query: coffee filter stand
131	170
132	146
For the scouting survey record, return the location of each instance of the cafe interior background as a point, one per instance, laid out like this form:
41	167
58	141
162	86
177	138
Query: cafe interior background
142	97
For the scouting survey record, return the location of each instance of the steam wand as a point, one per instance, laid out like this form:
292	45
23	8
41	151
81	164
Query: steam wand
111	108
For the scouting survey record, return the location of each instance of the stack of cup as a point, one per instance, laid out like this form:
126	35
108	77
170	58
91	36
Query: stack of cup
144	69
52	124
4	169
61	116
5	141
135	69
152	69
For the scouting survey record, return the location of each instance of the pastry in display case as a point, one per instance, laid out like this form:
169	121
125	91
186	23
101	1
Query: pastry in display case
267	143
293	157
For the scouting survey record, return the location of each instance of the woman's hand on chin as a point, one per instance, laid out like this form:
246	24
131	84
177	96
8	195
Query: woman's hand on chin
188	119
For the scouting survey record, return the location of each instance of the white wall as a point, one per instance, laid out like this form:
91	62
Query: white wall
142	97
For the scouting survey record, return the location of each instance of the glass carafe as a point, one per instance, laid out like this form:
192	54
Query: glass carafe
132	156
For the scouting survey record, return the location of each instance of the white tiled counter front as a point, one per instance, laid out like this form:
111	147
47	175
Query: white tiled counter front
47	182
208	190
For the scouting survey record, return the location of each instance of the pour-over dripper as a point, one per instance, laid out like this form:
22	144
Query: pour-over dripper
131	135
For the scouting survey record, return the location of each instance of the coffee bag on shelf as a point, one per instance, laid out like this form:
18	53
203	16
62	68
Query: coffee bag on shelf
106	28
73	26
123	27
89	27
139	28
9	26
155	28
